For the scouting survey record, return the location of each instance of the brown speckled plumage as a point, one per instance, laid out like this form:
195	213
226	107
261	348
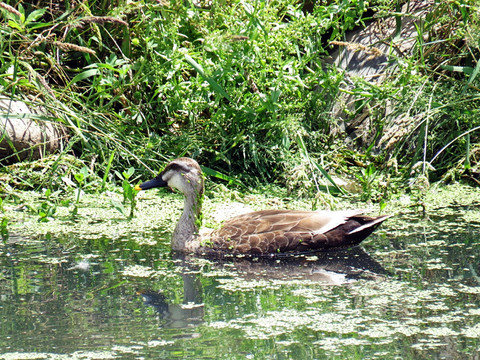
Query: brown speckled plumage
261	232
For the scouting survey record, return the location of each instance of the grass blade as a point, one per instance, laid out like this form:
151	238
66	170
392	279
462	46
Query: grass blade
216	174
213	84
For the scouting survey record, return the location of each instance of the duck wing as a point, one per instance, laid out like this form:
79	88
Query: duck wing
281	231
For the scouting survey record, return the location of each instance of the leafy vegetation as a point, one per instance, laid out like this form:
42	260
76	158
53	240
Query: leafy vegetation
245	87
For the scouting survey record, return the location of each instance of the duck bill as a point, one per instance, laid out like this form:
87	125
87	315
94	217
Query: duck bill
154	183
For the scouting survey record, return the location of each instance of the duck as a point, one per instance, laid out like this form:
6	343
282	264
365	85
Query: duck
259	233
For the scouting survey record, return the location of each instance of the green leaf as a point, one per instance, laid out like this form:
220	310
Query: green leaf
14	25
35	15
120	176
84	75
463	69
221	176
79	177
21	10
119	206
128	173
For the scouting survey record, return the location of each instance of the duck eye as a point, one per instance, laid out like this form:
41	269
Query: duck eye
178	167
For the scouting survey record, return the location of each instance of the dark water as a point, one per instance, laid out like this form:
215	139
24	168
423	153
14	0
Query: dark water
412	291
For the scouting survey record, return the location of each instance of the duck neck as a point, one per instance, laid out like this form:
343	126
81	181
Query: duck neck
186	231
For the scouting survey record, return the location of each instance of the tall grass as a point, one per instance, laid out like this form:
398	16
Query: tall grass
236	83
443	92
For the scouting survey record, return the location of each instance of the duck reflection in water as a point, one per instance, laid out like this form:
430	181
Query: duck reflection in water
190	312
332	268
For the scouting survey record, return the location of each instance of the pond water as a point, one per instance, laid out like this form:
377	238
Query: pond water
411	291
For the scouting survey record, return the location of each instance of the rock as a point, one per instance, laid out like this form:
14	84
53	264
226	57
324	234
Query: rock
365	54
26	133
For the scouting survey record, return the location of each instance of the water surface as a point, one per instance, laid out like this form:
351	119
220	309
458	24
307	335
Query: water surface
411	291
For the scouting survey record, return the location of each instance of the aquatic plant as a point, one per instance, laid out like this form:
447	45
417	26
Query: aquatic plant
129	193
46	210
80	177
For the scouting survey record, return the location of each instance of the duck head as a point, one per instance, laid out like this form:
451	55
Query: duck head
183	174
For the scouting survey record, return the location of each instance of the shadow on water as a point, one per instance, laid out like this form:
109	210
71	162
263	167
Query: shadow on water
411	293
332	268
328	268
